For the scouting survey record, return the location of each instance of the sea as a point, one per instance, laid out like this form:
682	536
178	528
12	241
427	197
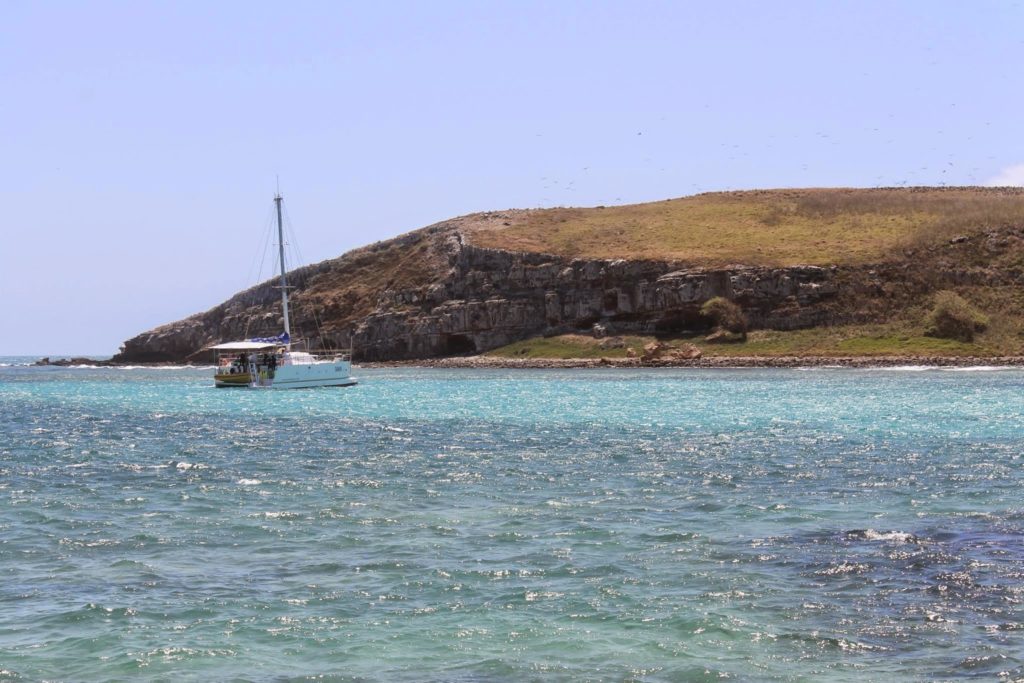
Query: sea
819	524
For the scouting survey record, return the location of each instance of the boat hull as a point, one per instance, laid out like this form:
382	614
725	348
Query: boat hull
312	383
239	379
297	376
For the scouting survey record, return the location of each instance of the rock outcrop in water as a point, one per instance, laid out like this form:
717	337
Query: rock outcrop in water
433	293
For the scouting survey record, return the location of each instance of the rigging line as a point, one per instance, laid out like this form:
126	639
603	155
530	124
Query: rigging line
293	243
294	283
305	280
281	259
267	230
317	323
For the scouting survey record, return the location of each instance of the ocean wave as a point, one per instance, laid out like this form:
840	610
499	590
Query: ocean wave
887	536
946	368
844	568
279	514
185	466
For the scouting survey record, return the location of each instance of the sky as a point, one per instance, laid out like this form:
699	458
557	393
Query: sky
142	142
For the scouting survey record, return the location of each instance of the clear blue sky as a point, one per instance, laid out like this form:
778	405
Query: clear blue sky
141	140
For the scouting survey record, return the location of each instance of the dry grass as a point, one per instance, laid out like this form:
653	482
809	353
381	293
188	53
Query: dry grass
763	227
903	335
567	346
352	289
852	340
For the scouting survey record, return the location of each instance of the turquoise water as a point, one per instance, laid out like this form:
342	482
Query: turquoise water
430	525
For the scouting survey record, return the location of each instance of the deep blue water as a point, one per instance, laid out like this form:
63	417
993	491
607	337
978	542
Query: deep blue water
660	525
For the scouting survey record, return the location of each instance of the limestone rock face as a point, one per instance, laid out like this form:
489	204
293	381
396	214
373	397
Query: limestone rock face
493	297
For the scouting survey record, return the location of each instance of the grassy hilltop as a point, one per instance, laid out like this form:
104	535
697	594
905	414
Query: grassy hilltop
762	227
917	229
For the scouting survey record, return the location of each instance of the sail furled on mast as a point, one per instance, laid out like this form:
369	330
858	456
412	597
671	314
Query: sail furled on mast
284	278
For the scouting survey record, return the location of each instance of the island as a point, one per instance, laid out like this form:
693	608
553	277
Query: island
797	276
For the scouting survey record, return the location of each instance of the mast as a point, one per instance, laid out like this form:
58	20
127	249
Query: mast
284	278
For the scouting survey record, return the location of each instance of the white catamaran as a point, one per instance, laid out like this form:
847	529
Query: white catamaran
269	362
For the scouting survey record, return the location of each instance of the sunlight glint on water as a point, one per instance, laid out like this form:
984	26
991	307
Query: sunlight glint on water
510	525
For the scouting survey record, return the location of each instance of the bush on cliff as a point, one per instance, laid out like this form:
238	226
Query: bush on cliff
952	317
727	318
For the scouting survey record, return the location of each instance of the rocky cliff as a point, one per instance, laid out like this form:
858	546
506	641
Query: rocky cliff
467	299
489	298
434	292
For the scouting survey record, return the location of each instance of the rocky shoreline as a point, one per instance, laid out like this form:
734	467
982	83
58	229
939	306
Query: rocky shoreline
704	362
493	362
77	360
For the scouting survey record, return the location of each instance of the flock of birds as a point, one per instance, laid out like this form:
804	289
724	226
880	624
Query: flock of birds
582	185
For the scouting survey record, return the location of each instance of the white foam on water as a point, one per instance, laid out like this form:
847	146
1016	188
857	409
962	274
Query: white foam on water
282	514
159	367
946	368
891	536
982	368
249	482
533	596
854	646
844	568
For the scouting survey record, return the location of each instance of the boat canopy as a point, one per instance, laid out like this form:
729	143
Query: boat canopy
244	346
254	344
282	338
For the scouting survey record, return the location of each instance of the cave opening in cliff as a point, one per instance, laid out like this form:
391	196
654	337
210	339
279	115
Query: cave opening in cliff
459	343
684	322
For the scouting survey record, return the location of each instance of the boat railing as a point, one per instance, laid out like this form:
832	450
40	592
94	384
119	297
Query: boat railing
331	355
254	364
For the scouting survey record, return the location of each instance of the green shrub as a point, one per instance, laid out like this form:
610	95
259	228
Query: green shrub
725	315
952	317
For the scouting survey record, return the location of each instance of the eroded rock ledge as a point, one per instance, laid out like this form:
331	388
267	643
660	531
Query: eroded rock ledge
489	298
